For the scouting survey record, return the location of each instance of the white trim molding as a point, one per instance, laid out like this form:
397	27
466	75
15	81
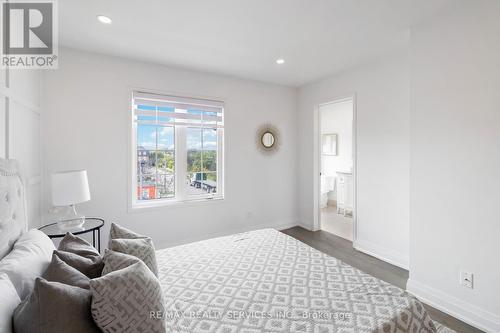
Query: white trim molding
469	313
382	253
316	223
17	98
306	225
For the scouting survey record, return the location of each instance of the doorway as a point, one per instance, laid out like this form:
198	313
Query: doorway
337	167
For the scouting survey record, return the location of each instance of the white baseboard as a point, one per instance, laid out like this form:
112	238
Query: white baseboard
469	313
382	253
278	225
306	226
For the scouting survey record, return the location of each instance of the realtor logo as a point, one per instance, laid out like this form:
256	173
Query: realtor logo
29	35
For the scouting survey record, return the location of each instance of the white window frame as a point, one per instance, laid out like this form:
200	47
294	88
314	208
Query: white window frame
180	170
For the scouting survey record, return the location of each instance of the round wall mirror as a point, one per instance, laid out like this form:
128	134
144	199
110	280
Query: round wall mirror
267	139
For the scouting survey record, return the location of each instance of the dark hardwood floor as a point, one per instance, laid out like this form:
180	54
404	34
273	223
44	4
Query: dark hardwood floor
342	249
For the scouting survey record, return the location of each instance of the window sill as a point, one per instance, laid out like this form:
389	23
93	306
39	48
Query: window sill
159	204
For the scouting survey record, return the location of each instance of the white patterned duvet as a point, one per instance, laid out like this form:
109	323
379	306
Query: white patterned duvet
266	281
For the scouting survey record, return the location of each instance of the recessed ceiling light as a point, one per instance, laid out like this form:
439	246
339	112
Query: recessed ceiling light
104	19
280	61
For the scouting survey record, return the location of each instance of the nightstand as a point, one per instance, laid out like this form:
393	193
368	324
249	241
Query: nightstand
91	224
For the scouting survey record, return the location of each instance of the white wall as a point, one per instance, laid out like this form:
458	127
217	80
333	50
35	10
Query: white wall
455	162
86	126
336	118
20	131
382	104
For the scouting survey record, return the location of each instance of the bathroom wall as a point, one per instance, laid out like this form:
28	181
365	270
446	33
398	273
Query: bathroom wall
336	118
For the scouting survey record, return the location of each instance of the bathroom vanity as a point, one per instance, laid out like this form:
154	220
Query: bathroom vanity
345	195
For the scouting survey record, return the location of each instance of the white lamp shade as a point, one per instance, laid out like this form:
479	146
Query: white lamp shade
70	187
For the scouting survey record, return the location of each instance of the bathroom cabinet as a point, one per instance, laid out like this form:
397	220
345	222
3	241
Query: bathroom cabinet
345	195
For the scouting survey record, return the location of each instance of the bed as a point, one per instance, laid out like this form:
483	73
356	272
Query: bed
266	281
259	281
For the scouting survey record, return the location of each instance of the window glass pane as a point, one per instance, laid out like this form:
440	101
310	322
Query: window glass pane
200	183
209	185
164	114
155	162
201	161
165	161
146	146
146	162
193	183
146	189
146	118
146	107
165	187
146	137
165	137
209	149
193	146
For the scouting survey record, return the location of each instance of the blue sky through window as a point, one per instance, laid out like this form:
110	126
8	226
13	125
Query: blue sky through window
147	134
146	137
194	138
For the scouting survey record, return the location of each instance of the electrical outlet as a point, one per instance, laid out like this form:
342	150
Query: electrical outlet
467	279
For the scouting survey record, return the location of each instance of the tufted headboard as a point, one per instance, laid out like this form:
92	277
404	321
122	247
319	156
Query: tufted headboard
12	205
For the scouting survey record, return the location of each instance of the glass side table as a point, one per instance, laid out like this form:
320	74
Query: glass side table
91	224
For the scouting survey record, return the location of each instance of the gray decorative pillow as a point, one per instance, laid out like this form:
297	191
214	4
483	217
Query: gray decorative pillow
87	266
114	261
122	301
141	248
91	265
59	271
117	231
77	245
55	307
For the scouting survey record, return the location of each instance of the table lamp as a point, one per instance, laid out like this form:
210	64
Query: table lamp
68	189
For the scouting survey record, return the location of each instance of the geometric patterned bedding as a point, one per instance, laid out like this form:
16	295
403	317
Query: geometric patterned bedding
266	281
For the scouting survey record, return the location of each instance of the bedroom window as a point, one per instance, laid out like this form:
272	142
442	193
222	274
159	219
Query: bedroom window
177	147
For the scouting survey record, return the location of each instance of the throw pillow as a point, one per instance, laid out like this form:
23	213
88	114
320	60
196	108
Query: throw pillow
87	266
124	300
114	261
117	231
141	248
55	307
77	245
59	271
84	256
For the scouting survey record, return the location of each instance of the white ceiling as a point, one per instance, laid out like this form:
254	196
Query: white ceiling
243	38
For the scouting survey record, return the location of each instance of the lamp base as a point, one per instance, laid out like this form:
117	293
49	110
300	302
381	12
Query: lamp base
71	220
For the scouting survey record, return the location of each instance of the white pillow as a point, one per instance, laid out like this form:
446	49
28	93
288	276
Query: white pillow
29	258
9	300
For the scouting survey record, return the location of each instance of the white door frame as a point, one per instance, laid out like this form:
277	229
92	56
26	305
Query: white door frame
317	162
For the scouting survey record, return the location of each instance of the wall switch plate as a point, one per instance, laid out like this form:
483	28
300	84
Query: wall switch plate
466	279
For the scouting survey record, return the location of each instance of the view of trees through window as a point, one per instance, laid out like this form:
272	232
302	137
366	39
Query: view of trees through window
177	150
201	160
156	161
